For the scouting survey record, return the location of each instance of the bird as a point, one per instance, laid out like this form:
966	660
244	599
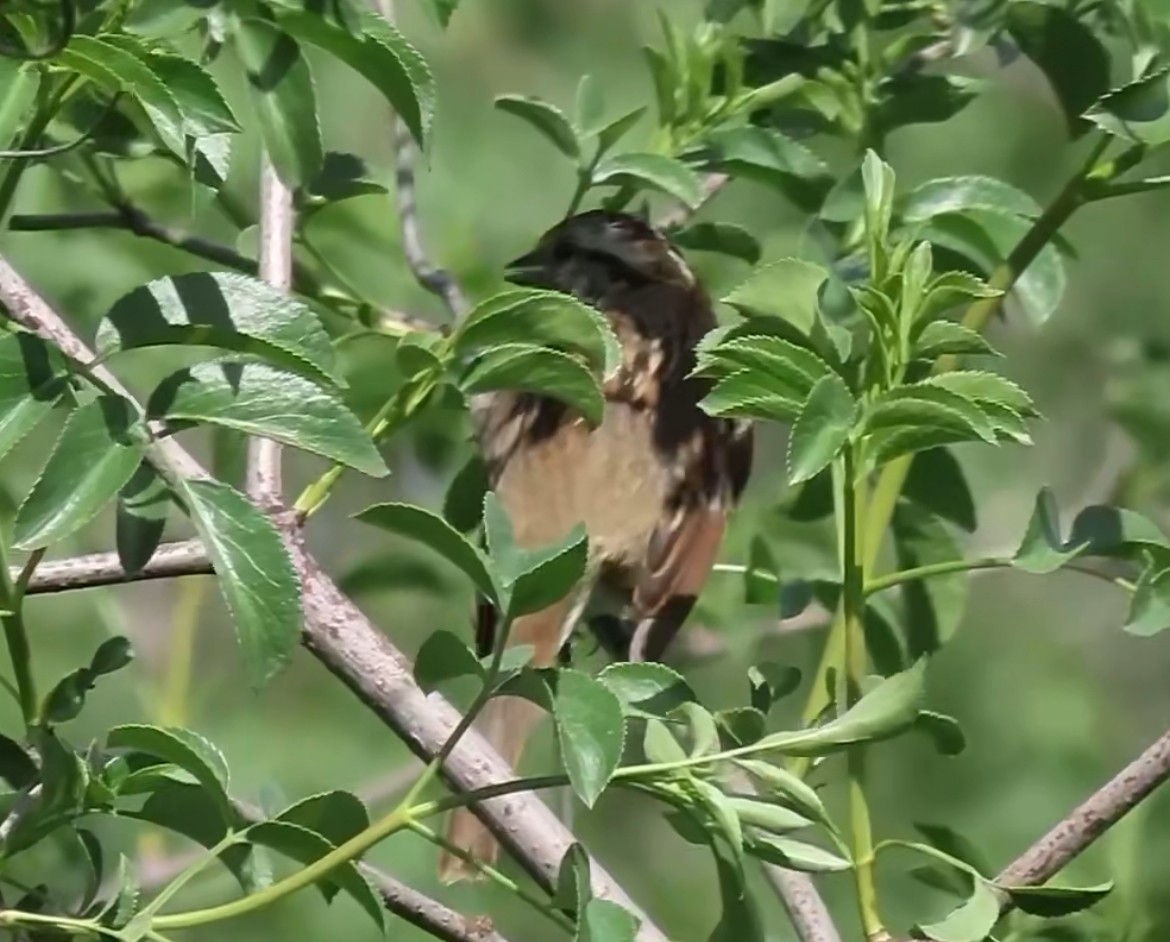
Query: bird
653	483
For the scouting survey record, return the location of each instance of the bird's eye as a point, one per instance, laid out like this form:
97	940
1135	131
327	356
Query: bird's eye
561	251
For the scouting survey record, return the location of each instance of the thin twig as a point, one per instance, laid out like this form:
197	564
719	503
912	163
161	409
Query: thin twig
129	218
436	280
133	220
362	656
264	479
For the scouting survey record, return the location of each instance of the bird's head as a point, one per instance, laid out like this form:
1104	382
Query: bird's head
589	253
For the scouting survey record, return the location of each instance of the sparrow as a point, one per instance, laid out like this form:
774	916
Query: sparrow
653	483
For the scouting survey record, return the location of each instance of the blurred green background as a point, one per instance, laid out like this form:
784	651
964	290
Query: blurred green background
1052	695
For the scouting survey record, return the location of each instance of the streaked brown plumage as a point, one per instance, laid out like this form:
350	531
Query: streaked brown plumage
653	483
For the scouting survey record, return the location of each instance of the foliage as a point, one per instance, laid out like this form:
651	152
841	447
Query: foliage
870	354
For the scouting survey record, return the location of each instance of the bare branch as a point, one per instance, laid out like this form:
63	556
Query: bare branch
364	658
186	558
807	910
264	482
1092	818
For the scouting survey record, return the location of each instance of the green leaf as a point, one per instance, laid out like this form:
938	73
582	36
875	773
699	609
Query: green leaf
532	578
283	99
605	921
574	880
821	429
936	483
888	709
943	731
924	404
746	394
258	399
120	70
645	688
200	814
306	846
543	318
463	503
781	785
231	312
433	531
382	56
1115	531
612	132
740	726
97	453
933	608
181	747
769	683
986	388
335	815
775	365
1043	549
443	657
19	82
1138	112
205	111
950	289
443	10
527	367
1070	56
254	573
589	106
660	745
786	290
723	814
143	506
954	845
724	237
1051	902
548	119
766	815
971	922
795	855
656	171
32	380
1149	609
959	194
65	701
878	179
591	732
946	337
766	155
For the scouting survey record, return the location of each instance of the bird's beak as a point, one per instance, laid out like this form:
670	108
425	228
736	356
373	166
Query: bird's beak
528	271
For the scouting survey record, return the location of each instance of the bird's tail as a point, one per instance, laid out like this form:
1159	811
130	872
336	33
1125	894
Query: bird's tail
506	723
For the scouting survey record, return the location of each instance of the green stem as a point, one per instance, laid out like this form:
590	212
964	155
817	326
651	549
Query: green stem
397	820
892	478
930	570
485	693
400	407
171	889
853	666
16	634
549	912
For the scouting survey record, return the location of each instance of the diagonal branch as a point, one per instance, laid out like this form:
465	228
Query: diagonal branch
264	479
363	657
